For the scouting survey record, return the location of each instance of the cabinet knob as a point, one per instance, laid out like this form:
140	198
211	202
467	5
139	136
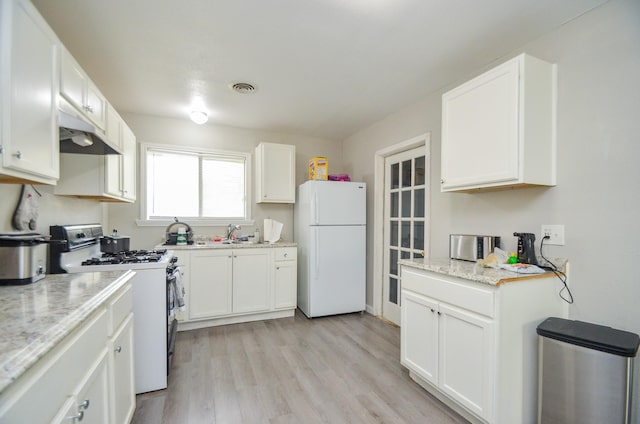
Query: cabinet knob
18	154
286	254
277	267
78	417
439	313
85	404
441	181
433	310
118	349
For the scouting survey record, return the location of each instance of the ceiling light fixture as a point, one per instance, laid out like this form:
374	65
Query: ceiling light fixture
199	117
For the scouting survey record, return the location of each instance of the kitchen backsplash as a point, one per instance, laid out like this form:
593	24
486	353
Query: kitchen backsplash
52	209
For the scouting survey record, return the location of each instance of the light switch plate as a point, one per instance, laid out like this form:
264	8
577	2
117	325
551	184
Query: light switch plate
555	233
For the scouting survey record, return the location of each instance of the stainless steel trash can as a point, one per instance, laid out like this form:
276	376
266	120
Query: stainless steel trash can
585	373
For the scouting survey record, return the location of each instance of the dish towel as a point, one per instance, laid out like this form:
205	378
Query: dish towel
179	290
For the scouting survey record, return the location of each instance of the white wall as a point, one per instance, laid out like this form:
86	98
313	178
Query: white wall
52	210
150	129
598	193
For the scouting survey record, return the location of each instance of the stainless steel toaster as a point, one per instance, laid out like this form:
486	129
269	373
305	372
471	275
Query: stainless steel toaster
469	247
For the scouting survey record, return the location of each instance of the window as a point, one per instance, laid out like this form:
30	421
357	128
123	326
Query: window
195	184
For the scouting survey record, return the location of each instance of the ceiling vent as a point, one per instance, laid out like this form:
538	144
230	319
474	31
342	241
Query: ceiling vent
243	87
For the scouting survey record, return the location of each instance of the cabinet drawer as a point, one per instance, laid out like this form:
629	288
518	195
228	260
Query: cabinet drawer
119	307
472	297
286	254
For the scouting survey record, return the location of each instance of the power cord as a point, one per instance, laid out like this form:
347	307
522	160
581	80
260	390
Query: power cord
561	275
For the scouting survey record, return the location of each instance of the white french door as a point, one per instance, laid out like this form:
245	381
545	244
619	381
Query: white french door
405	221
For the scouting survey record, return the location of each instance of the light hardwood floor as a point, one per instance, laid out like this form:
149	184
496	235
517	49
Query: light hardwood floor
339	369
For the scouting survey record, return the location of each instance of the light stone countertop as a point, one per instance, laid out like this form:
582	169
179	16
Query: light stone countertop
221	245
475	272
37	316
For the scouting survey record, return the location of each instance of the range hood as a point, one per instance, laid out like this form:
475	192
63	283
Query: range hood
79	136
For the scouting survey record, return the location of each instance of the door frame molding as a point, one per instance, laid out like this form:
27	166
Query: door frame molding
378	210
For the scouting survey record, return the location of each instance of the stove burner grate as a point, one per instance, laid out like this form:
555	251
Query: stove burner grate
127	257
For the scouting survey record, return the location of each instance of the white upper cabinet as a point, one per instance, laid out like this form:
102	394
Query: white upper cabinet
275	173
79	90
498	129
29	146
112	127
120	177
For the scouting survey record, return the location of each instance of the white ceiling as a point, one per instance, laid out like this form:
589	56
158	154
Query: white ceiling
323	68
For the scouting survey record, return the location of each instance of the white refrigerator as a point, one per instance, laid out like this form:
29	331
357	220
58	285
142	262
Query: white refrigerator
330	229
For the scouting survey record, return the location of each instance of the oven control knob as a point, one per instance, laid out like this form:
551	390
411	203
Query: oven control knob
80	235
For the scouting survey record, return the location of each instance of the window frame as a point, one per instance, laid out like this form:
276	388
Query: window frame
194	221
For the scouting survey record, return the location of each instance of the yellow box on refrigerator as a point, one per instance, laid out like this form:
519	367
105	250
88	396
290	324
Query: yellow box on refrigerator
318	168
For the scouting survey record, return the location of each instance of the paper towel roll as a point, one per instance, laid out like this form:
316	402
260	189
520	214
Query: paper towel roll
272	230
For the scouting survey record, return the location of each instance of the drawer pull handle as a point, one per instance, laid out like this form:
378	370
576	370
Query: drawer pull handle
78	417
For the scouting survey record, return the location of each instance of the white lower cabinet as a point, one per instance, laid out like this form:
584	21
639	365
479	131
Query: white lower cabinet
474	345
238	284
419	335
251	280
285	278
121	376
93	396
91	403
82	379
465	349
450	348
209	288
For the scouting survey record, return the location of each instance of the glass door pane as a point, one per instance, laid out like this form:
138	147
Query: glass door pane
405	219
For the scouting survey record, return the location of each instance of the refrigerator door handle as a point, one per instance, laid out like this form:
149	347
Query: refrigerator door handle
314	203
316	254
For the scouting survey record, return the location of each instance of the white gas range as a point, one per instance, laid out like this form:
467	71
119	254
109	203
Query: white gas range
153	332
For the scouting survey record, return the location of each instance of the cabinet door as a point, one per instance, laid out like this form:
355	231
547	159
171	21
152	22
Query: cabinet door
120	170
480	129
96	105
28	85
466	353
419	335
275	173
251	280
112	175
123	394
129	155
93	395
73	81
285	285
210	283
112	127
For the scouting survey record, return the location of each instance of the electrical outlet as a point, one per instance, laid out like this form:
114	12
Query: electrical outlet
555	233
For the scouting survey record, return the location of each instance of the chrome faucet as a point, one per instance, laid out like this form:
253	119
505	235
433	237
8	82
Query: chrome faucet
230	229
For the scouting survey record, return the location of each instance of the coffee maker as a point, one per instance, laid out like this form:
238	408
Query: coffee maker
526	248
